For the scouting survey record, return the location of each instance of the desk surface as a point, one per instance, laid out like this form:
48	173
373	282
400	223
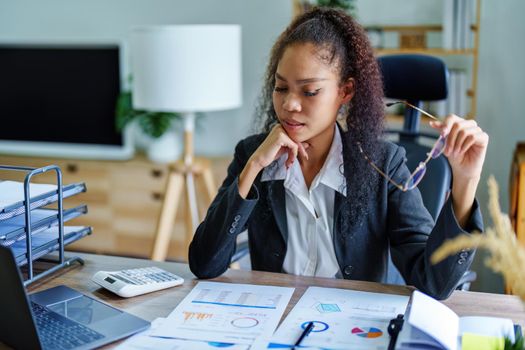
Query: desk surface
161	303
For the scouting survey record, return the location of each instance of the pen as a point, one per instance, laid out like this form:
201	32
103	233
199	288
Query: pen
306	331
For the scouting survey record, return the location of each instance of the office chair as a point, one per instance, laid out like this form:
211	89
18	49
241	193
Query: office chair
418	78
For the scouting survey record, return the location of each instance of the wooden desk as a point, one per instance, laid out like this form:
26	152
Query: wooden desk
161	303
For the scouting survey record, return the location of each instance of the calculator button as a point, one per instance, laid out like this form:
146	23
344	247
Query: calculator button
123	279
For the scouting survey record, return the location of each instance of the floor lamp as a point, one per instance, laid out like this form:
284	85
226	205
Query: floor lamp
185	69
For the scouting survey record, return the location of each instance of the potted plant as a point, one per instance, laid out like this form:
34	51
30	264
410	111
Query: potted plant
301	6
347	5
152	131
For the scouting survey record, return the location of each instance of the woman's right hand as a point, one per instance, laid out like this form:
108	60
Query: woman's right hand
274	146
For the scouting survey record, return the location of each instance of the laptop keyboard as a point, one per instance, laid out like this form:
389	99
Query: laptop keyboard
59	332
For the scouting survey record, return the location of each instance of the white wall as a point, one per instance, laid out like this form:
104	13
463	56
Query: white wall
501	72
500	103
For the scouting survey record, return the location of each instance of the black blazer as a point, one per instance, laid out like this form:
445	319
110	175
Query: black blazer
394	219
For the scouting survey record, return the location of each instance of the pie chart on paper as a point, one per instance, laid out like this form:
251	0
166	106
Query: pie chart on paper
367	332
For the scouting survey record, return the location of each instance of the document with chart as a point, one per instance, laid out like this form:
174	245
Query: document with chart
343	319
227	312
144	341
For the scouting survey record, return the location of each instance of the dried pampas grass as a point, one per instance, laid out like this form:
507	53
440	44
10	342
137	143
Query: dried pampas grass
507	255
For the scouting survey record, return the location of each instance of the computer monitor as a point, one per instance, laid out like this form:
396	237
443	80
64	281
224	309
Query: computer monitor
60	101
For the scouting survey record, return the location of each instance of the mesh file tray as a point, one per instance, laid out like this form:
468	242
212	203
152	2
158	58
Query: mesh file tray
46	242
12	200
14	229
32	231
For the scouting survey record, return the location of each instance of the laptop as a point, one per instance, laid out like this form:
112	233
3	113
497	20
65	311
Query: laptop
56	318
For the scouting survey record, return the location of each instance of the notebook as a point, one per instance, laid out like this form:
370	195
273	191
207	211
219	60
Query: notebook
430	324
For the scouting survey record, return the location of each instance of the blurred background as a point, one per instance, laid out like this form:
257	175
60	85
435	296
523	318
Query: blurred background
119	229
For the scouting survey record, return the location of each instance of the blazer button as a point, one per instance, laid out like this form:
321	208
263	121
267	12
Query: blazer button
237	217
463	255
232	230
348	270
461	261
234	224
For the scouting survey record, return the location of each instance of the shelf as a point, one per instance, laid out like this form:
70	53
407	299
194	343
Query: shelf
411	28
399	119
433	51
406	28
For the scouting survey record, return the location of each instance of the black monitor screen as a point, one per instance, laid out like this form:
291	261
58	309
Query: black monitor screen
59	94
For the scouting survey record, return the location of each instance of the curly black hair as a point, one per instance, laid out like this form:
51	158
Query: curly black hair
352	55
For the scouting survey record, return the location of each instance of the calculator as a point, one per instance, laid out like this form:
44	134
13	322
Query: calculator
132	282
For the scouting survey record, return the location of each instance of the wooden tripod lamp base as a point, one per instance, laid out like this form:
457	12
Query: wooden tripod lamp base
182	174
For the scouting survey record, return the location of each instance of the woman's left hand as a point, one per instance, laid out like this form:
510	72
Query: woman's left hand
465	149
466	146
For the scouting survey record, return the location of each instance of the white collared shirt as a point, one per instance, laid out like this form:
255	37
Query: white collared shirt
310	213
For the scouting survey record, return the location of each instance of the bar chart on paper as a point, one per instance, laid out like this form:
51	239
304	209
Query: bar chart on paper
225	312
343	319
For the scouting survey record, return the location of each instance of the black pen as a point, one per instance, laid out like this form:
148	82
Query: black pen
306	331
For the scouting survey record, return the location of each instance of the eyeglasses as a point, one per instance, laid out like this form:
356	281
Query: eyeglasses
417	175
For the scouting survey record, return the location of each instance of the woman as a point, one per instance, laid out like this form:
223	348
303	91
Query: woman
309	192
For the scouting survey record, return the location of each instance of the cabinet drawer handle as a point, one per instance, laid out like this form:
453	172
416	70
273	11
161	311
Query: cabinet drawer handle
156	196
72	168
156	173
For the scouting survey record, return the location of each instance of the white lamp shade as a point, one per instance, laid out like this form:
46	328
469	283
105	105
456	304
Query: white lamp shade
186	68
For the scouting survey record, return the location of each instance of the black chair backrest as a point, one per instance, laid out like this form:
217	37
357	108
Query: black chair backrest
417	78
414	78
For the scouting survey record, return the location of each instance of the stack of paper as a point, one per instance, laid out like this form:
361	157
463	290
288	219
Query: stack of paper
12	196
13	229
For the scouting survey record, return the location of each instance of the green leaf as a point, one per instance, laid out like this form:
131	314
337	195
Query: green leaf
124	112
156	124
517	345
347	5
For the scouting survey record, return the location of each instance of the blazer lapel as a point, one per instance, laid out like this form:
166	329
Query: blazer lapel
277	201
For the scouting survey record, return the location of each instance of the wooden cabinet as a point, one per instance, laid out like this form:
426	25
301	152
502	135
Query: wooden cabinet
124	200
